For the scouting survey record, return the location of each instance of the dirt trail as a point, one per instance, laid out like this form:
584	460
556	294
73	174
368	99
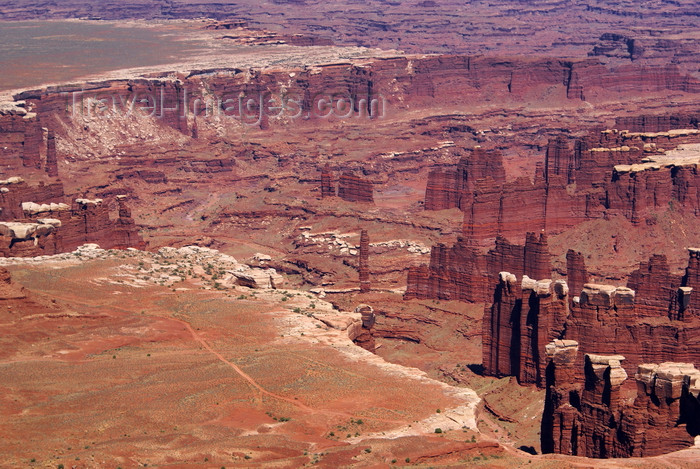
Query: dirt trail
251	381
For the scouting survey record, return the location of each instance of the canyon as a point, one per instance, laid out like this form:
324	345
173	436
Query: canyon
375	235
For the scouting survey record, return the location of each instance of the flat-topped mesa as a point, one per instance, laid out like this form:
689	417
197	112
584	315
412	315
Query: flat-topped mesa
656	183
595	421
523	318
354	188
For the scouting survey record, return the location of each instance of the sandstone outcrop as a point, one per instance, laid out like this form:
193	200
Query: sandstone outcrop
37	224
33	139
461	272
606	173
256	278
524	318
591	417
453	187
364	337
51	161
353	188
364	262
655	323
576	273
327	187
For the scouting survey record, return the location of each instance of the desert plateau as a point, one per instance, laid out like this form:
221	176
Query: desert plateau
338	234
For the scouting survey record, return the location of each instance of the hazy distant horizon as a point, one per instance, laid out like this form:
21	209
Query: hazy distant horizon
41	52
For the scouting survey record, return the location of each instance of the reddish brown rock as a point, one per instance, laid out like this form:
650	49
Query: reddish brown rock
560	418
560	162
33	138
125	232
453	187
461	272
587	76
523	319
443	189
592	177
50	228
364	262
327	189
353	188
28	239
15	191
655	123
654	325
665	415
656	288
576	273
51	161
591	418
456	273
689	302
365	339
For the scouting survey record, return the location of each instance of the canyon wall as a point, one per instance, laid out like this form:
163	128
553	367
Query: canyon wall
657	322
592	417
462	272
607	173
36	220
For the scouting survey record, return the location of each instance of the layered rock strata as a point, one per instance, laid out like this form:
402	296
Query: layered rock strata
36	221
611	172
364	262
591	417
462	272
364	337
353	188
656	323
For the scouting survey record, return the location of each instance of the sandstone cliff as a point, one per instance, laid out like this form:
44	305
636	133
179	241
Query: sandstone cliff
591	417
657	322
